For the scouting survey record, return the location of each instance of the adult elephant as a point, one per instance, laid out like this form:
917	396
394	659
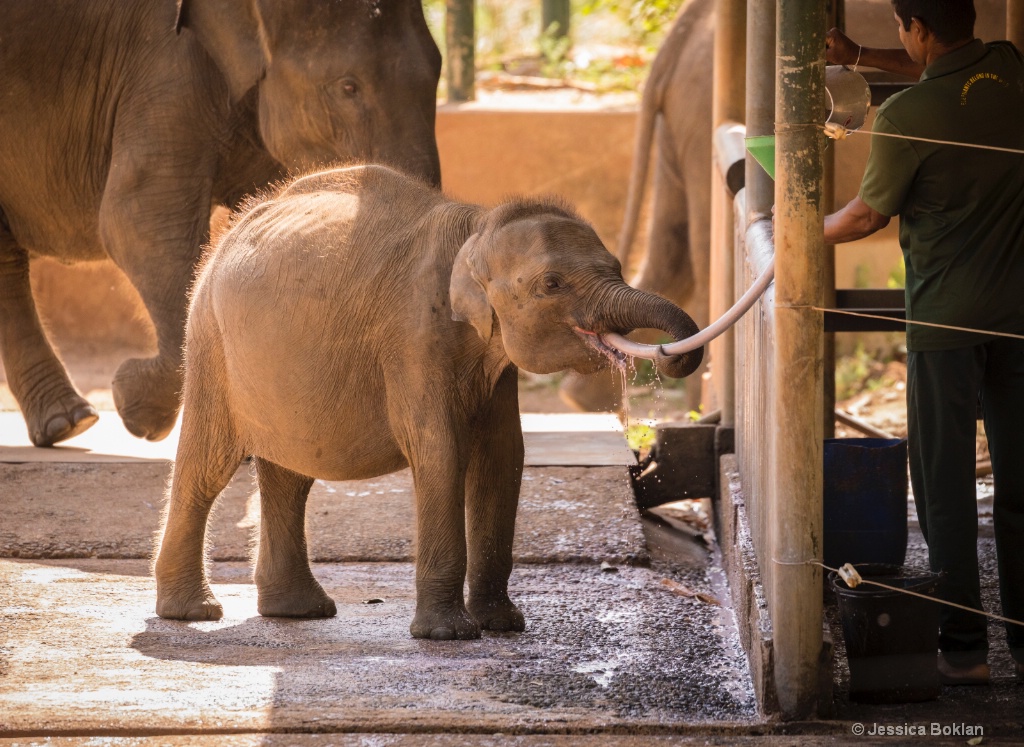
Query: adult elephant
122	124
675	115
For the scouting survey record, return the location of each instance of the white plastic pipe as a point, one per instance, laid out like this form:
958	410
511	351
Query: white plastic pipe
706	335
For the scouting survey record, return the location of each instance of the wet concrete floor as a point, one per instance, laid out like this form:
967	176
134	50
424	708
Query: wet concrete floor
613	654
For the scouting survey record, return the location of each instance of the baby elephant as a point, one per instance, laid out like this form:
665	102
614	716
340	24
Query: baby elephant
357	322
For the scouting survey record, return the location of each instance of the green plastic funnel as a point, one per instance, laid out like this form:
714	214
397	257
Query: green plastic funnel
762	148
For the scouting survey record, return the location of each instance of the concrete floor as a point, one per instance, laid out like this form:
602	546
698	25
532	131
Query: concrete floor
612	655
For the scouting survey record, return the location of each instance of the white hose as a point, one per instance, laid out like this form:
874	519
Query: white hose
706	335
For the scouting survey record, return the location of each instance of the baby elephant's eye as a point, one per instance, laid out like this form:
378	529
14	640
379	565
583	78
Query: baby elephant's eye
553	282
348	86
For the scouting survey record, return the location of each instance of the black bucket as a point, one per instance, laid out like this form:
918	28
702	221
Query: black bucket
892	638
865	501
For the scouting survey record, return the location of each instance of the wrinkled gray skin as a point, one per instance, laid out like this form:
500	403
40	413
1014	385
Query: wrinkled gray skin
360	296
675	119
118	134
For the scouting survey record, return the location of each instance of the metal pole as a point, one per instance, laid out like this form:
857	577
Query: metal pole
557	12
728	104
796	531
1015	22
461	43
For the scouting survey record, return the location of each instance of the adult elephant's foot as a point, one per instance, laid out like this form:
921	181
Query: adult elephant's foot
147	396
60	419
196	605
444	623
599	392
308	600
496	613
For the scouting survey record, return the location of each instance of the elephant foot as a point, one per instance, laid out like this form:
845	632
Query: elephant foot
62	420
449	623
147	397
600	392
201	606
310	601
496	613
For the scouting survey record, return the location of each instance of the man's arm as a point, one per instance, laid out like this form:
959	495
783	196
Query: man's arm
841	50
855	221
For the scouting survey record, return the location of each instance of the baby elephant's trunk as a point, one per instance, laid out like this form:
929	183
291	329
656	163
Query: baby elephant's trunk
634	309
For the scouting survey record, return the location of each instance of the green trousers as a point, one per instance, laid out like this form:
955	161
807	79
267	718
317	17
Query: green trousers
943	388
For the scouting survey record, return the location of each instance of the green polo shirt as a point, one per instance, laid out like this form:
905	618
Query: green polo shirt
961	209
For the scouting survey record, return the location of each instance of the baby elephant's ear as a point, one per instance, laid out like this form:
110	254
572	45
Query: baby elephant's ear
467	291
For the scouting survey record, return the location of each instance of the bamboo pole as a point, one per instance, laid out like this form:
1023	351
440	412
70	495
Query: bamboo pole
460	40
835	16
760	103
555	12
728	104
753	452
796	512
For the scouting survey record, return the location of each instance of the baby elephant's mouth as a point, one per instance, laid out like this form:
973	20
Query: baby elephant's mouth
593	339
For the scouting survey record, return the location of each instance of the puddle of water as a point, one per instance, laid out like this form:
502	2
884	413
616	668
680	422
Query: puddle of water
48	574
735	671
602	672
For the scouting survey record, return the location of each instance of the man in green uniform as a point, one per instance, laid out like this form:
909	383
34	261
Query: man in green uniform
961	215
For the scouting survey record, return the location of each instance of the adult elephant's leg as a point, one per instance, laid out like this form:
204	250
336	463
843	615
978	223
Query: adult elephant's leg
154	218
209	453
677	263
53	409
284	580
493	480
433	448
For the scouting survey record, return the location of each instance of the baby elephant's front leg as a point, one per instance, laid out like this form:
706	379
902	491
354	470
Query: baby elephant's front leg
492	496
441	556
284	581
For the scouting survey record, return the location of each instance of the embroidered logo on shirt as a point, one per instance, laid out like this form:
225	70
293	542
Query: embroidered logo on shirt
974	79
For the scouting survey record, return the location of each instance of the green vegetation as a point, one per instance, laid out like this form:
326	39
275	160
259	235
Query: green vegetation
640	436
647	20
862	371
609	46
897	276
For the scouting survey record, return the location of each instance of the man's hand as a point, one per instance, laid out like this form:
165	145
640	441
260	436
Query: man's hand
841	49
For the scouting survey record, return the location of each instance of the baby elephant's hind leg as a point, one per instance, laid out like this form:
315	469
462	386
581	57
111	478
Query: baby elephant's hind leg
208	456
284	580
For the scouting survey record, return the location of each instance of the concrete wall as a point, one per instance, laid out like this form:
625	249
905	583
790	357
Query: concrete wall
486	154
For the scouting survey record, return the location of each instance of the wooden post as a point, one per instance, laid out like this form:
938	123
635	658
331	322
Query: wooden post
1015	22
728	104
795	496
557	12
461	45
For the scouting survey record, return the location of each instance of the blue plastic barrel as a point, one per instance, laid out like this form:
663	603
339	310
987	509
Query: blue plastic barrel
865	501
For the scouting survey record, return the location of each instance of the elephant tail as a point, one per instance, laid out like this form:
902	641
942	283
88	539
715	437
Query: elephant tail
660	76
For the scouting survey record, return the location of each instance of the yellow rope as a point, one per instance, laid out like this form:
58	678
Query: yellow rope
904	591
837	132
914	321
